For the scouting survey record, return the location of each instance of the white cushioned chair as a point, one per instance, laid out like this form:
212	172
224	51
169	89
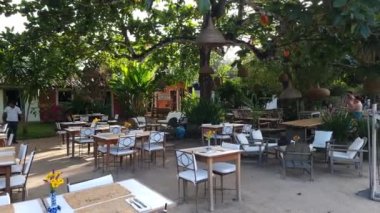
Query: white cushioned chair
17	168
348	155
250	148
5	199
108	179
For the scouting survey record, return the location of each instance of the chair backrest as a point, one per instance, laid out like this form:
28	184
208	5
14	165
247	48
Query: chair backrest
141	120
84	118
156	137
232	146
174	114
227	129
116	116
295	148
104	118
247	128
108	179
28	164
22	153
241	139
4	127
185	161
357	145
58	125
93	124
10	139
321	137
5	199
256	134
86	132
126	142
115	129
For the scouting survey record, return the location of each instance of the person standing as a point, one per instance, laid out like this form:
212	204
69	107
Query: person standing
12	115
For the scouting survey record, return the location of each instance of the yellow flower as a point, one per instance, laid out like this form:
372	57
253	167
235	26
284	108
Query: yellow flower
296	138
209	134
127	124
54	179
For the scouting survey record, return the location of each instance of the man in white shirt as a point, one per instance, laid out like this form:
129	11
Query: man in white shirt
12	115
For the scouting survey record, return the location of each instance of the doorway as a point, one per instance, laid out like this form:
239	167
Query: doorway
12	95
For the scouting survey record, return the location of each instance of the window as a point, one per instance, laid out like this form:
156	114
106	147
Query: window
65	96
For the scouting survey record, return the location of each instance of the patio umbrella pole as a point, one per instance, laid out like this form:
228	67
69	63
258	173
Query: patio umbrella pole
375	195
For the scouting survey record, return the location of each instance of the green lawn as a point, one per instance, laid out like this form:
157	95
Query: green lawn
36	130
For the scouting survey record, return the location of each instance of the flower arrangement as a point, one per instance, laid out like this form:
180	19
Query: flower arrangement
127	125
96	120
296	138
209	134
55	180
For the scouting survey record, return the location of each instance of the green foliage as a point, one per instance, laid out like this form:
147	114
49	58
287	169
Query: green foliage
205	112
37	130
340	123
189	102
230	94
133	82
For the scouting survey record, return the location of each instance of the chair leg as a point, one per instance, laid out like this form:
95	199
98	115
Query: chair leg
196	197
23	193
163	158
179	189
221	183
331	166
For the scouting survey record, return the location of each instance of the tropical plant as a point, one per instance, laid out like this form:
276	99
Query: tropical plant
134	83
205	112
340	123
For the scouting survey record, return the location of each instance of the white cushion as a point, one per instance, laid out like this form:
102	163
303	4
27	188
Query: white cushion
248	148
257	135
222	137
16	168
84	140
115	151
232	146
103	149
271	145
356	145
321	137
108	179
5	199
242	139
223	167
189	175
16	180
61	132
341	155
153	147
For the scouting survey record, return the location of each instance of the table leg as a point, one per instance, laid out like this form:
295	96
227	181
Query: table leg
67	143
72	145
210	183
8	181
108	154
96	153
238	183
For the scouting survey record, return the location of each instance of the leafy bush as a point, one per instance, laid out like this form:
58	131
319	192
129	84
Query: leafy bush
205	112
230	94
341	124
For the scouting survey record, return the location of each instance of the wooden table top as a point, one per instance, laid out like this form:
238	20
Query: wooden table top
304	123
111	136
220	125
7	159
215	151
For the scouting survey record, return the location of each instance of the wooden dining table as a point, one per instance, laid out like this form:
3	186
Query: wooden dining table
112	139
218	154
303	124
73	131
218	128
7	159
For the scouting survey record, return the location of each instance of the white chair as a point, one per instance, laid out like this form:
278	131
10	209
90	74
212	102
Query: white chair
115	129
60	131
321	140
19	181
225	168
352	154
84	118
187	171
226	134
10	139
247	128
257	138
104	118
5	199
251	148
85	137
73	187
177	115
140	122
17	168
115	119
156	143
124	147
4	128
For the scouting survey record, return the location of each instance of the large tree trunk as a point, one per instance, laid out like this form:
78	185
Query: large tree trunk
205	79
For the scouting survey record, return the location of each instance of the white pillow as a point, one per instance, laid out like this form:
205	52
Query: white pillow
356	145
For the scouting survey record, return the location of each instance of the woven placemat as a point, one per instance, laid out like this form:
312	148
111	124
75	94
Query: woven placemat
95	195
113	206
8	209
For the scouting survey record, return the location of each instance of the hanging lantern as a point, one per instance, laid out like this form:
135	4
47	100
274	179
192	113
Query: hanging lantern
242	71
210	36
317	93
290	93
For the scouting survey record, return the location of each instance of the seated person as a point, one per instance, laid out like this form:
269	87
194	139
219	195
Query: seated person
355	106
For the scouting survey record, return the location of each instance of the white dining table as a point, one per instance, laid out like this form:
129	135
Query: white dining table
30	206
145	194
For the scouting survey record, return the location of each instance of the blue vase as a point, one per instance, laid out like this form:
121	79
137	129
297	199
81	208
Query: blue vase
54	208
